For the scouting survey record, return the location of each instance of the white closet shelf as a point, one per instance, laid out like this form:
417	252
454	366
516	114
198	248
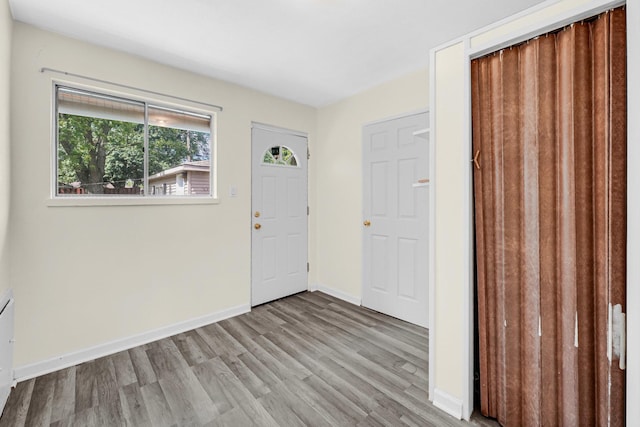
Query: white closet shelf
422	132
421	183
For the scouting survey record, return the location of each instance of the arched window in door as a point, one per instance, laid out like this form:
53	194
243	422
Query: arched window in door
279	155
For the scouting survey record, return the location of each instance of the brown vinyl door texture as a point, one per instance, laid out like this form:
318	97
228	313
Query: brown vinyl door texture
549	122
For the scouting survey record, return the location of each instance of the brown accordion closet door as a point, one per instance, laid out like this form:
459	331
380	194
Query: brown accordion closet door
549	132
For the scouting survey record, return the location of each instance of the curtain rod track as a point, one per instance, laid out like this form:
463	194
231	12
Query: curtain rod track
66	73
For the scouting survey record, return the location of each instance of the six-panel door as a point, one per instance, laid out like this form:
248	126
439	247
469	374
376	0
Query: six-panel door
395	223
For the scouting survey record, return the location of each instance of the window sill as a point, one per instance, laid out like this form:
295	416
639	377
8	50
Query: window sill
130	201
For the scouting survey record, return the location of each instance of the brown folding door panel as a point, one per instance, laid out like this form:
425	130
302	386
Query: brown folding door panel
549	121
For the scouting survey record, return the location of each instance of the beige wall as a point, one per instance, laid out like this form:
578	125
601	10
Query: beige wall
84	276
449	220
453	233
91	285
338	163
6	25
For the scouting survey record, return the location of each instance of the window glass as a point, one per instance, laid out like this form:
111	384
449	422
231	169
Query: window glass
279	156
101	144
179	152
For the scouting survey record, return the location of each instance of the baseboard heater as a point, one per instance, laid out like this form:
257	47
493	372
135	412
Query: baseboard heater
6	350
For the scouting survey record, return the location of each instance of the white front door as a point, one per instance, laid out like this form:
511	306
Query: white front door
395	223
279	214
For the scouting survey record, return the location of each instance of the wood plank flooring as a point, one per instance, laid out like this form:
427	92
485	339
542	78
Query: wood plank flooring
309	359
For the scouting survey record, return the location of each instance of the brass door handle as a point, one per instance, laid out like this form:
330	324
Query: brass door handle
367	223
257	226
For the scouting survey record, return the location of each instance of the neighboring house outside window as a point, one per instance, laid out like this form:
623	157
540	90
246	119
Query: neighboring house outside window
190	178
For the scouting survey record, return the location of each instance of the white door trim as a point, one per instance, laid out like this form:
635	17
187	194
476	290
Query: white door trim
288	132
396	116
633	177
264	126
633	210
432	225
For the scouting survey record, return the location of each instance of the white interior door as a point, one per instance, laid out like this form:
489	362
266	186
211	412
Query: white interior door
279	214
395	223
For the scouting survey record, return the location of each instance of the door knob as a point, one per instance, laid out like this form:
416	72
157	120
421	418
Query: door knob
257	226
257	214
367	223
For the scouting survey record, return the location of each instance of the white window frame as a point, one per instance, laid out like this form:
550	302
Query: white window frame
56	200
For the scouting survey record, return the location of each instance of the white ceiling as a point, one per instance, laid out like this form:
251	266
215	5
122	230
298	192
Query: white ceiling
312	51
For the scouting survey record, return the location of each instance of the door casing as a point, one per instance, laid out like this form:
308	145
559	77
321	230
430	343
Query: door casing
296	279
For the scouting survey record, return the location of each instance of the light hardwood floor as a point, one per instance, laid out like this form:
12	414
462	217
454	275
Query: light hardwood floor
309	359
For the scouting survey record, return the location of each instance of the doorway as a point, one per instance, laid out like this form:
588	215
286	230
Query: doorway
278	213
549	143
395	218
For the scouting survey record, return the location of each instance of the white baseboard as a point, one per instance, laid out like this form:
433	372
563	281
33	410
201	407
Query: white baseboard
33	370
335	293
447	403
